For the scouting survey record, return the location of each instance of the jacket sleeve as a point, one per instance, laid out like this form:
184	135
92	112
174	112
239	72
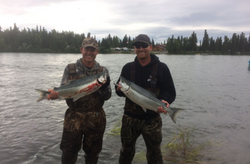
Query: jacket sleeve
168	92
105	90
65	77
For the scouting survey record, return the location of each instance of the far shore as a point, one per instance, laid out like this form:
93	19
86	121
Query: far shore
132	52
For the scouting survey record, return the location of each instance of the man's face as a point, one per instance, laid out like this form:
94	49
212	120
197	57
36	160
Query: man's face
89	54
142	50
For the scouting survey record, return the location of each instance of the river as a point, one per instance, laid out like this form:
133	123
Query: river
214	90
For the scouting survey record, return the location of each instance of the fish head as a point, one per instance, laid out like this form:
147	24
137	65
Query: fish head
124	85
102	79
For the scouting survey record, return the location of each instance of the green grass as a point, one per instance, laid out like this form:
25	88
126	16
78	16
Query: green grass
116	131
140	156
185	147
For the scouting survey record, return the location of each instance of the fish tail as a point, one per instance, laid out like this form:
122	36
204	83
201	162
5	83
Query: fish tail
173	115
43	95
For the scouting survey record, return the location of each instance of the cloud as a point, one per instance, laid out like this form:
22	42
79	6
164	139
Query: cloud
159	19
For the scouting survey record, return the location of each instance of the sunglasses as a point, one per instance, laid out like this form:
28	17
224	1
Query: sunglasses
141	45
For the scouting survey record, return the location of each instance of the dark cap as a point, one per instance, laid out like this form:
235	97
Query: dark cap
142	38
89	42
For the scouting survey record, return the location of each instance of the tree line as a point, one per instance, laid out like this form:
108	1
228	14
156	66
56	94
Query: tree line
42	41
238	44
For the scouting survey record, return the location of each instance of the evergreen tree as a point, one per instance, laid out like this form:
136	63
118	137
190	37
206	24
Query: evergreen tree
234	44
193	42
110	40
170	45
218	44
212	44
2	43
125	41
242	42
153	42
116	41
105	46
130	44
185	44
205	42
226	45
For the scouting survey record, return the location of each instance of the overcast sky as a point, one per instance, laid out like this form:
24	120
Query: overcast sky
159	19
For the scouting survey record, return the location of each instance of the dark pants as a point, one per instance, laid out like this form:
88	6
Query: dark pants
82	128
151	132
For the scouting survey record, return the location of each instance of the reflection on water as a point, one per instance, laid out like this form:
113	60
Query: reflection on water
214	90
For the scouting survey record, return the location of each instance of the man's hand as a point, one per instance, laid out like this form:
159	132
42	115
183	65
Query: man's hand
161	109
118	86
105	84
53	95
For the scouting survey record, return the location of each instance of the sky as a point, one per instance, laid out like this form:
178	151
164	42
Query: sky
159	19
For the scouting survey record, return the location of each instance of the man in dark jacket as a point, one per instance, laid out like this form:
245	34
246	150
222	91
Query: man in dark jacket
85	119
148	72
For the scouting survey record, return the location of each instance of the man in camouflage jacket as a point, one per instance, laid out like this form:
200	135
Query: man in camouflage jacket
85	119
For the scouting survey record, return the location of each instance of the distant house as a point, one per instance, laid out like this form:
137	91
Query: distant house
117	49
124	49
159	48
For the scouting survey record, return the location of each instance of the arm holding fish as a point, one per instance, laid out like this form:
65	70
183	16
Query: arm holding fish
161	110
105	90
53	95
168	93
126	68
118	89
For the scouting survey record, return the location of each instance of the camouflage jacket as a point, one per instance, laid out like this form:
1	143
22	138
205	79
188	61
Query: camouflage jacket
82	71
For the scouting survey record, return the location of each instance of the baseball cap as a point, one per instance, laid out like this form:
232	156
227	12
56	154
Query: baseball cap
89	42
142	38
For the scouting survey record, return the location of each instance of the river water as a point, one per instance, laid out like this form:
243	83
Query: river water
213	90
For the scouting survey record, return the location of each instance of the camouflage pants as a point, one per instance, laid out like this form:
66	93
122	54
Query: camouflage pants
82	128
151	132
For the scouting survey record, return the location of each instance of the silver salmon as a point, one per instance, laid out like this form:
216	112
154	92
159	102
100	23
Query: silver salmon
145	98
77	88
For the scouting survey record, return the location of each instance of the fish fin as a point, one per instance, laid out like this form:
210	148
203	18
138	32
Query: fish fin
173	115
144	109
43	94
74	99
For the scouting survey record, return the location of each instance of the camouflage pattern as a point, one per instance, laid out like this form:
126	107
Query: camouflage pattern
89	42
91	103
151	131
89	130
82	71
85	120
